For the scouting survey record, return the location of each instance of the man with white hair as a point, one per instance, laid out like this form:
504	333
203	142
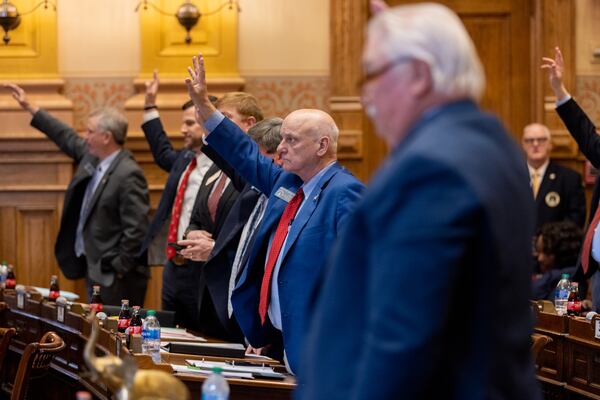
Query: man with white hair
309	200
557	190
427	293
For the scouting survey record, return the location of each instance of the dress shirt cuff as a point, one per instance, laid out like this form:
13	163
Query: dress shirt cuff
150	115
213	121
562	101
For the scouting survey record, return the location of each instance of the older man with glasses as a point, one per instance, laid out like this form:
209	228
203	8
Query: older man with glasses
557	190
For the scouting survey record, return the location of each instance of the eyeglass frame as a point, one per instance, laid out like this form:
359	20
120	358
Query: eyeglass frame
540	140
370	76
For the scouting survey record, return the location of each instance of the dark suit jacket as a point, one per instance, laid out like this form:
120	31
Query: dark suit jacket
565	185
584	132
217	269
117	220
427	294
172	161
314	230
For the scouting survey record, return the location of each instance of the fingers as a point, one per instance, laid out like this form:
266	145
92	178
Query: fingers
155	75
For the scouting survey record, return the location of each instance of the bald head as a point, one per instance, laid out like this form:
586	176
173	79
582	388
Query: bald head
309	142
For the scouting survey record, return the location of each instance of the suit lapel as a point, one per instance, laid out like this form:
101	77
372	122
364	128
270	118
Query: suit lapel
103	182
547	182
308	209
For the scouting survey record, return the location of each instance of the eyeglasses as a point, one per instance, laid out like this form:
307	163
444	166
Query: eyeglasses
369	76
540	140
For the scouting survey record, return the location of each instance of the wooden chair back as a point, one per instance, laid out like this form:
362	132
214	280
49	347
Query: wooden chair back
539	341
35	362
6	335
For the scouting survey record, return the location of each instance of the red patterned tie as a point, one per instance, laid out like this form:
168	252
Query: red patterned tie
587	242
176	213
280	234
215	196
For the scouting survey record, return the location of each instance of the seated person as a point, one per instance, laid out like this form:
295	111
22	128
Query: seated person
557	246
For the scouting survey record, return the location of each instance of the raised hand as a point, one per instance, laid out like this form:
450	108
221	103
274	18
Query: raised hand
555	67
377	6
198	90
21	97
151	90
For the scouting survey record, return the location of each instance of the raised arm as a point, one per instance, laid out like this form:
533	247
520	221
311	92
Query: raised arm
162	150
63	135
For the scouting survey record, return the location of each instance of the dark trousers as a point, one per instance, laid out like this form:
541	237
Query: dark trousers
180	292
132	286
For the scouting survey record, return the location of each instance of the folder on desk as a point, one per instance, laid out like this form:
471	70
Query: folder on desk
229	350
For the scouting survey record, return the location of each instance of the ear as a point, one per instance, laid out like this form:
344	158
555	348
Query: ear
251	121
323	146
422	82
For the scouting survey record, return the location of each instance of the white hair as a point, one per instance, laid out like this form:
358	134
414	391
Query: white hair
434	34
537	125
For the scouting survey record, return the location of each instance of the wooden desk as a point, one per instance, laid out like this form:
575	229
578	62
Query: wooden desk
68	370
569	367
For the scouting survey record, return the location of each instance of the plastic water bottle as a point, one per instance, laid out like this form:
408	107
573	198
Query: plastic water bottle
215	387
561	295
151	336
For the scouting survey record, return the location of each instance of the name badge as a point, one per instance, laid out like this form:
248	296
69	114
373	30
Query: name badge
213	178
284	194
60	313
89	168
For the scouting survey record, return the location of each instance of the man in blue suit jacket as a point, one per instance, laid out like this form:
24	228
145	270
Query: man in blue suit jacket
427	294
295	246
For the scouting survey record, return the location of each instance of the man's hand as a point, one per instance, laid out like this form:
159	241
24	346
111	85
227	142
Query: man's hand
198	235
21	97
377	6
197	89
151	90
197	249
259	352
555	67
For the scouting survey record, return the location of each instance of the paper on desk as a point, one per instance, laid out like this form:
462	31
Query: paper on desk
209	365
187	369
46	292
176	334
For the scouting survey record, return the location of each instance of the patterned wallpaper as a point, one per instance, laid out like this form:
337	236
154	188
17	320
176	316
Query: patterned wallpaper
277	95
588	96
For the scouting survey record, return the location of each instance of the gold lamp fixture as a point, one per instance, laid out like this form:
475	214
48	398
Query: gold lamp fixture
10	18
188	14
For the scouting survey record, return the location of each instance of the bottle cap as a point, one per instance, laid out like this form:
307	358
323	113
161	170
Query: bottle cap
136	307
150	312
217	370
125	301
565	276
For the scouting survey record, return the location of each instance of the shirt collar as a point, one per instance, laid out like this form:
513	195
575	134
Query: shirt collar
104	164
541	170
309	187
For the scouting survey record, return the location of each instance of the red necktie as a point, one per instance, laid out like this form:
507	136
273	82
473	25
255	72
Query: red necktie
215	196
587	242
280	234
176	213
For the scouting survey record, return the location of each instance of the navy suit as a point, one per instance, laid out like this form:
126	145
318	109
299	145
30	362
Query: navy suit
311	235
217	269
427	294
584	132
560	196
180	283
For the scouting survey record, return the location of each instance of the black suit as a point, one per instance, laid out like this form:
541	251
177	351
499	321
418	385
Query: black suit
115	224
217	269
180	291
560	196
584	132
207	320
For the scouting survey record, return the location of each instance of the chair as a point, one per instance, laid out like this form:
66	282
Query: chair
539	341
6	335
35	362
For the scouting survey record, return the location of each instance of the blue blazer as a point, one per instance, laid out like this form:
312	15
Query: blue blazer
427	294
172	161
314	230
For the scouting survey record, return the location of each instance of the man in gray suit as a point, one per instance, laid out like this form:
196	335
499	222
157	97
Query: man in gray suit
105	211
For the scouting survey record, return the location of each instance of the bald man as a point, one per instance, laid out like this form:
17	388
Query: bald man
310	198
557	190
